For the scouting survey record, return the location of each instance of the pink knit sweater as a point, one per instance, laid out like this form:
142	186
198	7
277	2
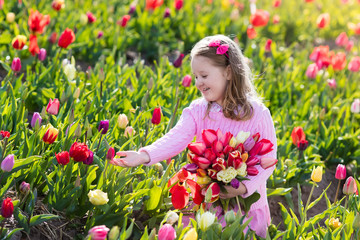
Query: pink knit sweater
192	123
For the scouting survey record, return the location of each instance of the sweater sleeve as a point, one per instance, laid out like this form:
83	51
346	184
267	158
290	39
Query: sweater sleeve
267	130
175	141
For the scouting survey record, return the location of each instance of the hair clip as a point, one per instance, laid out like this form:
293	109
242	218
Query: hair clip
221	48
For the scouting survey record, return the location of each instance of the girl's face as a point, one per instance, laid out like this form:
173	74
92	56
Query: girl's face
211	80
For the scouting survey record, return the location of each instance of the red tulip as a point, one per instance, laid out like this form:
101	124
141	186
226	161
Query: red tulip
153	4
297	135
262	147
124	20
19	42
156	117
215	191
219	164
33	45
197	148
276	3
260	18
53	106
267	162
53	37
355	27
37	22
7	208
320	56
202	162
252	171
340	172
323	20
268	45
338	61
252	161
50	135
181	176
110	154
342	40
91	17
209	155
63	158
354	64
302	145
224	138
208	136
79	152
179	196
66	38
4	134
217	148
195	189
251	32
228	149
212	173
178	4
57	5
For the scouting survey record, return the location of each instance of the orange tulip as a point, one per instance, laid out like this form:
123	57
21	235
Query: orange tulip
323	20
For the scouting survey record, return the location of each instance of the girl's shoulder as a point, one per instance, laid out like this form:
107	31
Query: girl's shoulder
198	103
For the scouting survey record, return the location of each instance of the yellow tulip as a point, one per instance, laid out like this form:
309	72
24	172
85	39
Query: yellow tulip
203	180
334	223
191	235
98	197
316	174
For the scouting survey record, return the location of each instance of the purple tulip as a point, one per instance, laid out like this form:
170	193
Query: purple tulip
132	9
90	159
235	183
8	163
100	34
167	13
24	187
104	126
16	64
42	54
36	118
191	167
178	61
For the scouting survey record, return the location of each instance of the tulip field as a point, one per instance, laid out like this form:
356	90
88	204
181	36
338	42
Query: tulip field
81	80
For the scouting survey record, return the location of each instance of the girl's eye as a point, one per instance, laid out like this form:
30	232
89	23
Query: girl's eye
204	76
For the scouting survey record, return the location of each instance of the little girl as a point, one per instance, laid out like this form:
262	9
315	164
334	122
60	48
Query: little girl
230	103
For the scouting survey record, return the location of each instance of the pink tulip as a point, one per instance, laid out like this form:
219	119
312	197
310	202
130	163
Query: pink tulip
16	64
267	162
323	20
42	54
110	154
53	106
349	46
276	19
186	82
312	71
215	191
217	148
98	232
340	172
342	40
208	136
252	171
350	186
167	232
202	162
332	83
354	64
252	161
355	106
209	154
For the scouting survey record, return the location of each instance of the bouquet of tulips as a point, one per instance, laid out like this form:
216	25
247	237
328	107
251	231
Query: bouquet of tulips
220	159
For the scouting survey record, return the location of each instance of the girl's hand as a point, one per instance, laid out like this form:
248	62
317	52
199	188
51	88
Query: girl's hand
233	192
130	159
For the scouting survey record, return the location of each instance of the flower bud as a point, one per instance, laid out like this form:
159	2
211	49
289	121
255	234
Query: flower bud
10	17
42	54
76	93
186	82
132	9
350	186
16	64
122	121
167	13
8	163
316	174
356	223
334	223
158	167
100	34
24	187
230	217
83	19
114	233
103	126
171	217
36	120
129	132
178	61
77	133
322	114
150	83
340	172
87	106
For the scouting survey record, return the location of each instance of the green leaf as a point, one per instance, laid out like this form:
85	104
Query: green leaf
247	202
278	191
35	220
21	218
318	199
155	194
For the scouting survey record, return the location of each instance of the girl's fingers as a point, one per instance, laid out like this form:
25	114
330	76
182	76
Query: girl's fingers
121	154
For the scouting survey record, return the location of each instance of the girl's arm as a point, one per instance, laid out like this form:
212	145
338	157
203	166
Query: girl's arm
267	130
166	147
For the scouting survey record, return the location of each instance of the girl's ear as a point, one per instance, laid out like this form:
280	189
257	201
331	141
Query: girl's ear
228	72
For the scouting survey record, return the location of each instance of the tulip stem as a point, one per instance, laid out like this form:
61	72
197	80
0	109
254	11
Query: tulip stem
345	206
3	153
238	203
300	154
307	204
1	177
2	226
99	144
337	191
